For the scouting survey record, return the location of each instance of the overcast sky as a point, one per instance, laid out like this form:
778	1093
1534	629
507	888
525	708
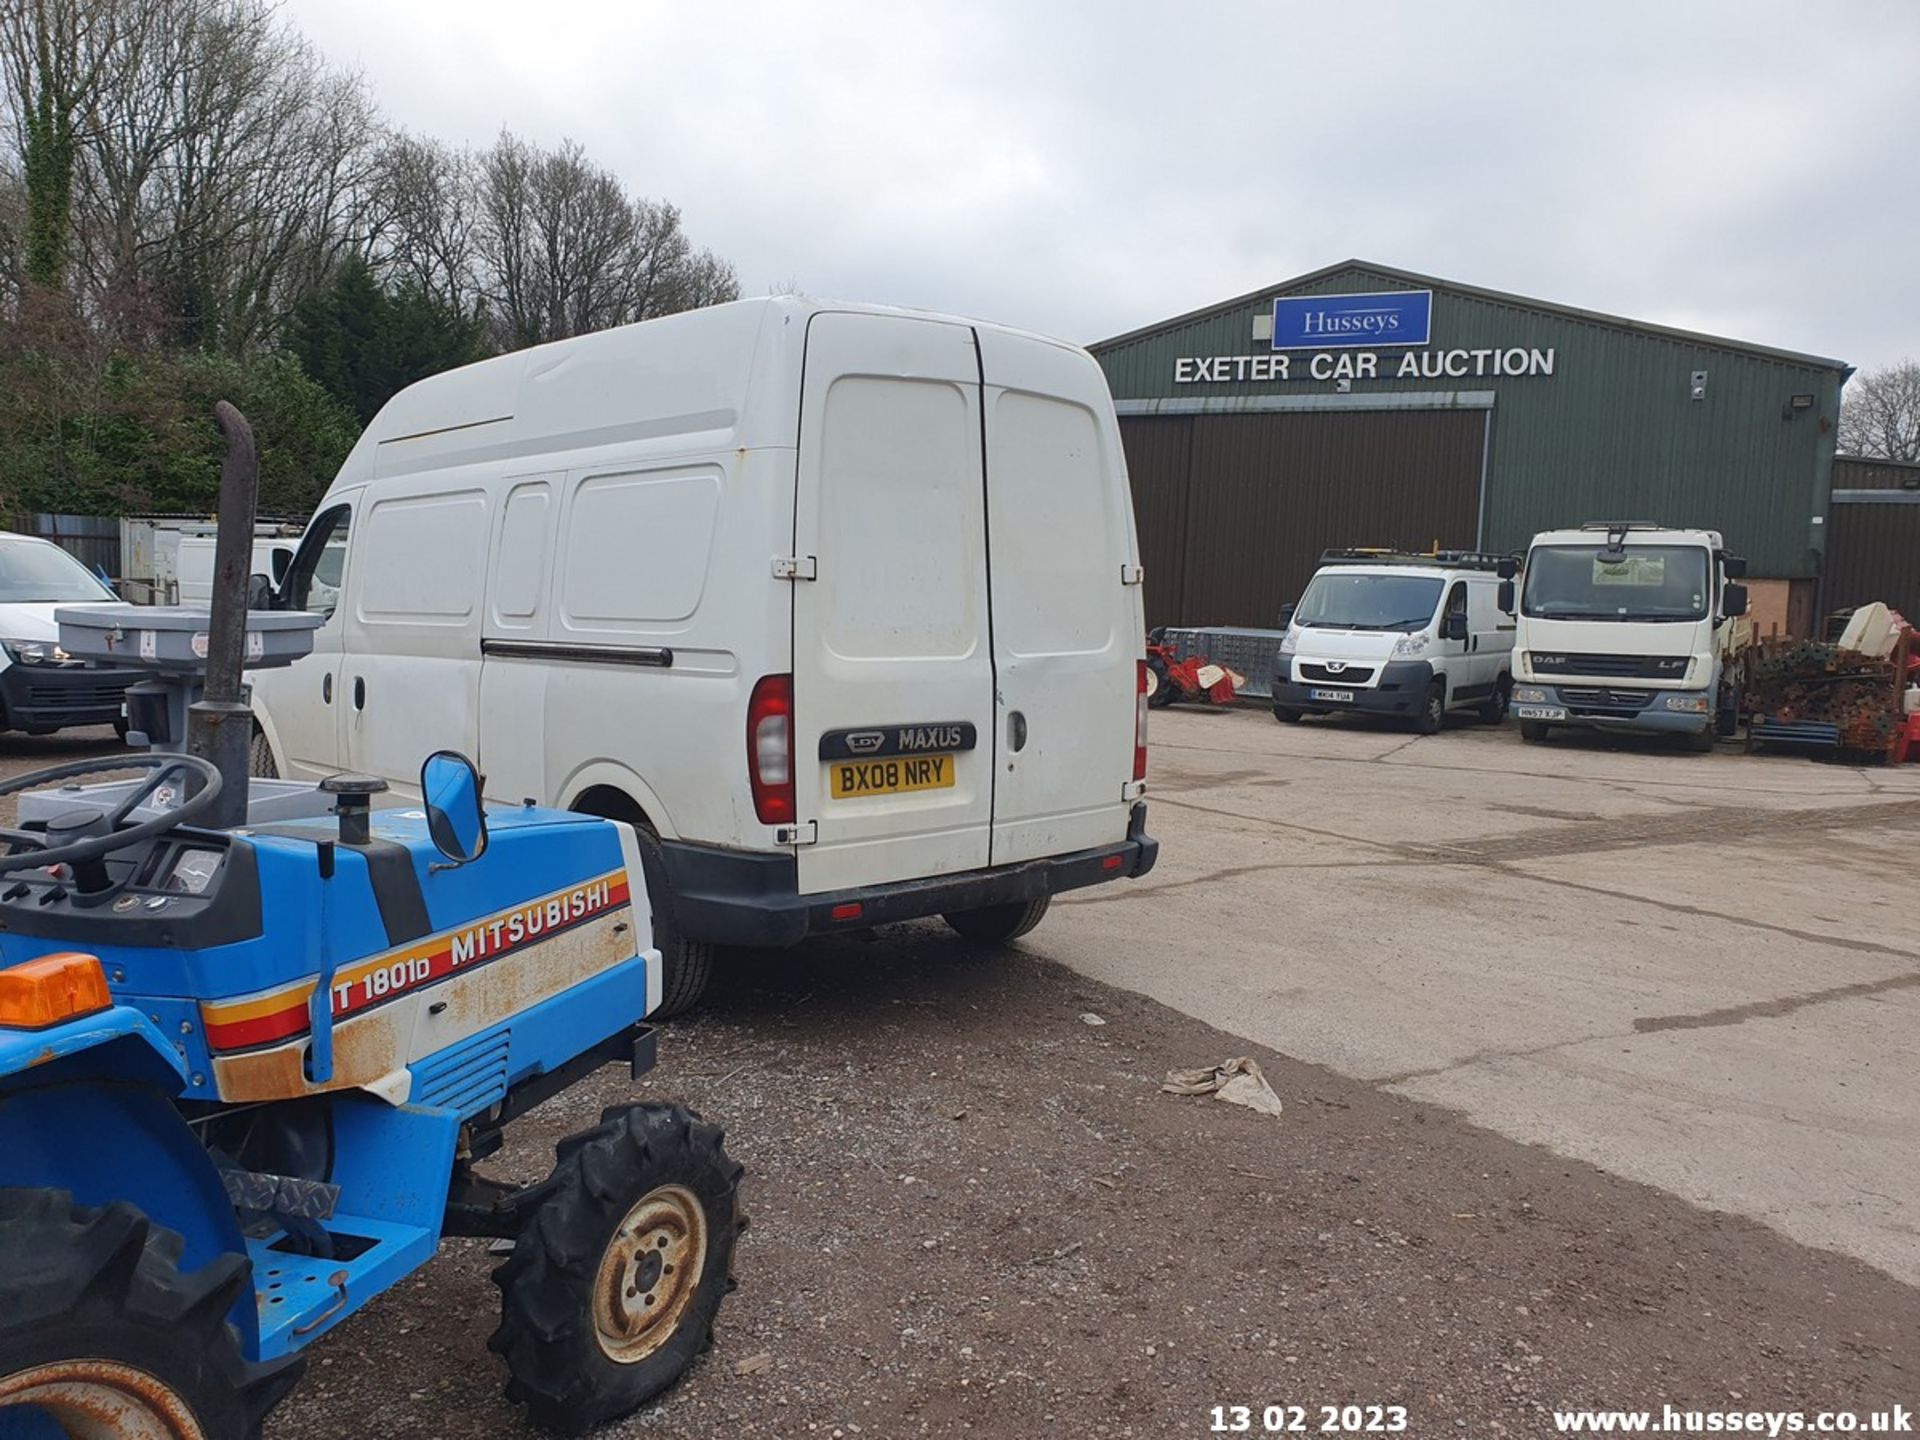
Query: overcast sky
1747	169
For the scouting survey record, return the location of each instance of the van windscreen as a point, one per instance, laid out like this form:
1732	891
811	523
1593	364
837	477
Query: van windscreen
33	570
1344	600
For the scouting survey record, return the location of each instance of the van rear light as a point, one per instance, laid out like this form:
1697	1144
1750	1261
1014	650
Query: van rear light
1140	724
770	749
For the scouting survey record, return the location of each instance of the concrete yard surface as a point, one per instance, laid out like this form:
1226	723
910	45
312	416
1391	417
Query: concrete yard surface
1701	972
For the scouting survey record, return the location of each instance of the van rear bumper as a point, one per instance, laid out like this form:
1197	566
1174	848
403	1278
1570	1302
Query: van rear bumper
730	897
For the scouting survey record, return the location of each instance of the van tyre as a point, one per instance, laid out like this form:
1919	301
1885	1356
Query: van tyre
998	924
260	764
1493	710
1533	731
1433	709
1287	715
94	1301
613	1284
686	965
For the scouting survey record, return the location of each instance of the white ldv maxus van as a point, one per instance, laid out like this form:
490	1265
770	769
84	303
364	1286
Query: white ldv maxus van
840	604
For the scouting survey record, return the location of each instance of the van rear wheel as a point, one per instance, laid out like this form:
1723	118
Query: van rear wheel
686	965
998	924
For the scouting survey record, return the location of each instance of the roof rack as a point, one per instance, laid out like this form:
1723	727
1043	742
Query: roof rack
1433	559
1612	525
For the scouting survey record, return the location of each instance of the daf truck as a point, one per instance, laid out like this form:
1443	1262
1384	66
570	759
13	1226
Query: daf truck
1629	626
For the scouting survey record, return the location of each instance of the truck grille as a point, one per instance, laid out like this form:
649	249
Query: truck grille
1599	700
1348	675
1640	667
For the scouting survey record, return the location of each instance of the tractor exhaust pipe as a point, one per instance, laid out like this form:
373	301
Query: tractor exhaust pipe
220	722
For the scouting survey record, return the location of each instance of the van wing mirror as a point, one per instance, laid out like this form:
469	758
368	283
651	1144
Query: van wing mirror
1506	597
1286	614
1733	601
1454	627
259	593
450	790
282	558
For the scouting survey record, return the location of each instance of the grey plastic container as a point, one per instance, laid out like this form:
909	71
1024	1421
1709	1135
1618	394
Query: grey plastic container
174	638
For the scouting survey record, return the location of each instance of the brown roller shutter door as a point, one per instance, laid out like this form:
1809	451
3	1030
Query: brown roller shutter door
1234	510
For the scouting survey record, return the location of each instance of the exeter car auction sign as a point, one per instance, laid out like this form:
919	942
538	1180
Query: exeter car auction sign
1346	334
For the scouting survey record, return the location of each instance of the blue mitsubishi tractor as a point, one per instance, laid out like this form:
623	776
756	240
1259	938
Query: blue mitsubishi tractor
254	1046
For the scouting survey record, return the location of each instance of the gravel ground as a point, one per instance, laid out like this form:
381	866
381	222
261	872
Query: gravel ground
975	1213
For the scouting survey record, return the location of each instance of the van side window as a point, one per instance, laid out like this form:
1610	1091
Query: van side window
313	580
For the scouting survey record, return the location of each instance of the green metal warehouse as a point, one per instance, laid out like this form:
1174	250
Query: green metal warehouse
1364	405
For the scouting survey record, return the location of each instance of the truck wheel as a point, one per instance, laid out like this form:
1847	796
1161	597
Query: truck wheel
998	924
260	758
1160	690
1702	742
1533	731
1433	710
612	1287
687	965
1493	710
96	1319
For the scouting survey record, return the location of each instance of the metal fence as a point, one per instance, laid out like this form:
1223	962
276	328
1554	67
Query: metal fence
1250	653
93	540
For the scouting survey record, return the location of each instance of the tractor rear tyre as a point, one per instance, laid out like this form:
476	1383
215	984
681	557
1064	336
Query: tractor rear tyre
1161	692
998	924
686	965
611	1290
97	1318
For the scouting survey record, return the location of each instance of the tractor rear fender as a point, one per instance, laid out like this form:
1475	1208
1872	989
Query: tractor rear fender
104	1139
119	1043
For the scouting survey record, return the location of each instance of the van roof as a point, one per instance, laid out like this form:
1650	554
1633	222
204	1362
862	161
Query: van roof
720	378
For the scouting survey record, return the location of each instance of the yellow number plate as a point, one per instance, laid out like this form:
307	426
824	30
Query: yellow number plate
896	775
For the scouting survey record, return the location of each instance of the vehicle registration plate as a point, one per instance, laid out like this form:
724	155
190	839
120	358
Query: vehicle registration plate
897	775
1339	697
1540	712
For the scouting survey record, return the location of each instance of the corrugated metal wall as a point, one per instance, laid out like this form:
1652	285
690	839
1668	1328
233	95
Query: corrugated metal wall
1234	510
1856	472
1612	433
1874	554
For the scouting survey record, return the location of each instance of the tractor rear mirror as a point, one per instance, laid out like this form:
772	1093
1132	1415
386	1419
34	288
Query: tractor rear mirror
1506	597
450	788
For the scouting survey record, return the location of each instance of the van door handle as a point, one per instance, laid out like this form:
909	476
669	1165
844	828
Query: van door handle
326	688
1016	731
359	692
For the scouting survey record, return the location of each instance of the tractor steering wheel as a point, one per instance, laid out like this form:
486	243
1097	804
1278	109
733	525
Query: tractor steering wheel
105	832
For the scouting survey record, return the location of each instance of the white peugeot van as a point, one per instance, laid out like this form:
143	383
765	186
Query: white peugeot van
1406	636
42	688
840	605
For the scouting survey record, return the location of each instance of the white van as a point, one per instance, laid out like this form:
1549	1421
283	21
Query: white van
841	605
42	688
193	565
1406	636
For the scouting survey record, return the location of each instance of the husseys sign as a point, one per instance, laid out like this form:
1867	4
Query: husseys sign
1346	335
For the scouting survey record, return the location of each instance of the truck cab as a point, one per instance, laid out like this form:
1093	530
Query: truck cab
1628	625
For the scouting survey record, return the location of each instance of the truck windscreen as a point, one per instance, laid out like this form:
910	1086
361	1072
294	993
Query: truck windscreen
1342	600
1643	582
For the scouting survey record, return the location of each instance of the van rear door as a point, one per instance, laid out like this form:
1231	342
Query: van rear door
1068	624
892	663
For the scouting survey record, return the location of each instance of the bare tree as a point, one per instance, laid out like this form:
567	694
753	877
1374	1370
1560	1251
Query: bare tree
425	220
1880	416
561	248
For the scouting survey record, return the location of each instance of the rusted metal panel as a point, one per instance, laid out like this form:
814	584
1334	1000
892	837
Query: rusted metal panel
1873	553
1245	504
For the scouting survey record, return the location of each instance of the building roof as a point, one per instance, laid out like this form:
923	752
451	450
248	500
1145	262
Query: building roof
1431	282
